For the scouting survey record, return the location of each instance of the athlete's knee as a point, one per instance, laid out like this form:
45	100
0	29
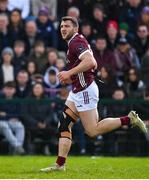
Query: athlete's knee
67	119
92	133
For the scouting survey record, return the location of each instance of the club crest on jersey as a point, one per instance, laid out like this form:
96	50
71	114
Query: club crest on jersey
80	48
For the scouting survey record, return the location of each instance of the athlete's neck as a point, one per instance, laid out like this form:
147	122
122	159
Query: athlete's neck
71	38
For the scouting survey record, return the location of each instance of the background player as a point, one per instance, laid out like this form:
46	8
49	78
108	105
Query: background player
83	99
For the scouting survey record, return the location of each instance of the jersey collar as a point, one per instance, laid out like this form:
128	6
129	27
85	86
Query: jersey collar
72	38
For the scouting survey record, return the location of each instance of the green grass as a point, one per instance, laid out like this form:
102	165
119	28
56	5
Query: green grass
77	167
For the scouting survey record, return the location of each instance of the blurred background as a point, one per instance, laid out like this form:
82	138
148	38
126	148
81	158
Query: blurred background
32	53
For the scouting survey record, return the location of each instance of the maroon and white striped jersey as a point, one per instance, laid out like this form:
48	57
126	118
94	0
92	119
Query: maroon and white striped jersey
77	46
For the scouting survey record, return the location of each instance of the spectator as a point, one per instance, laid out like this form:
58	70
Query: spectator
16	25
99	20
114	8
123	29
19	60
7	72
36	78
60	64
145	16
3	7
45	28
51	82
64	5
31	68
74	12
145	69
10	124
103	55
50	4
31	34
37	116
87	31
38	55
112	34
119	109
107	76
52	58
123	32
23	84
141	42
130	14
24	6
134	86
126	57
142	108
5	37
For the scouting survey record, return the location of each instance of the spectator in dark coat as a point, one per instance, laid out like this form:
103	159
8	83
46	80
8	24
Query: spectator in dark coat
126	57
130	14
23	88
31	34
52	58
141	42
110	82
16	25
123	32
103	56
19	59
144	17
5	37
46	29
38	55
87	31
37	115
118	109
4	7
99	20
112	34
134	85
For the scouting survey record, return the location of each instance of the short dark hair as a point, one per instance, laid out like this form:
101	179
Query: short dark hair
52	72
10	84
72	19
39	43
19	43
101	37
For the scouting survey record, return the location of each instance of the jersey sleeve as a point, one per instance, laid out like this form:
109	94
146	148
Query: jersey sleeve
79	48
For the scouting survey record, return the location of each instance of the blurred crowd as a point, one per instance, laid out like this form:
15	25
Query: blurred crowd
32	53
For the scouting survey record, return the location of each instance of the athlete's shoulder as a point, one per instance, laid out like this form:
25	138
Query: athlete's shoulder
79	38
78	44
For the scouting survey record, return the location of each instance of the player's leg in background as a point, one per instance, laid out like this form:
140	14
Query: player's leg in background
94	127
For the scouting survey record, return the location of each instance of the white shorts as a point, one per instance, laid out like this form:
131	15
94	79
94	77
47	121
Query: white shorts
87	99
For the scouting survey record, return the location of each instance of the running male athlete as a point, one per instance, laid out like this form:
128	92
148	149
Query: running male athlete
82	100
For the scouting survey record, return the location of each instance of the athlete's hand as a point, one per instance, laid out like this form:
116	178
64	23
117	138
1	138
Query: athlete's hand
64	77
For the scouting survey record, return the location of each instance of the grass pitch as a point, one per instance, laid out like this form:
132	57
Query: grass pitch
77	167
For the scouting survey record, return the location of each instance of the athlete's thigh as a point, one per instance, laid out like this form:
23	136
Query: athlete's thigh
89	119
72	106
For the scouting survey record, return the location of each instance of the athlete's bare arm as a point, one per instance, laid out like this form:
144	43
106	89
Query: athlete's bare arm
87	62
